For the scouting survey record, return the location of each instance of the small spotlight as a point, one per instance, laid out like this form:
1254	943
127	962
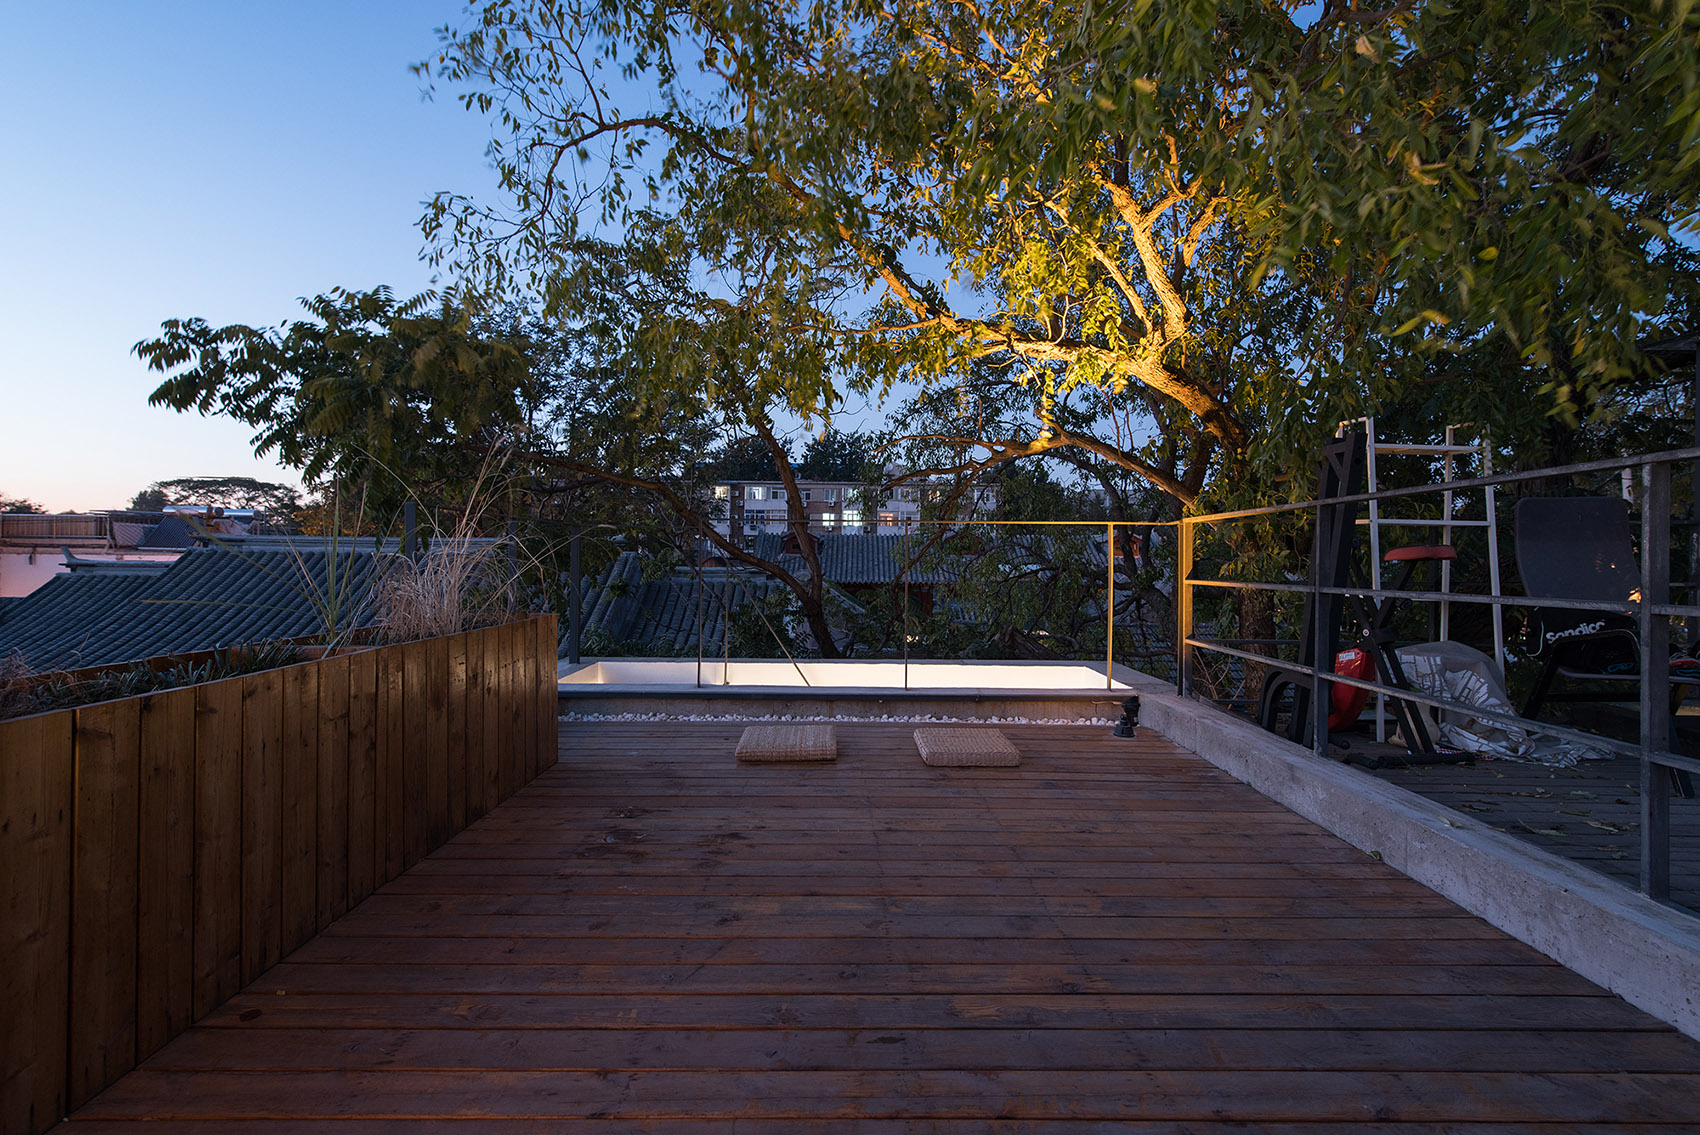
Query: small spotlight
1130	717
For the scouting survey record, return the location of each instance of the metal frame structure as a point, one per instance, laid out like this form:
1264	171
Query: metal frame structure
1109	527
1653	612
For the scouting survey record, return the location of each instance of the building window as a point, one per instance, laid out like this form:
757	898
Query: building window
778	494
829	494
805	496
757	493
852	516
721	492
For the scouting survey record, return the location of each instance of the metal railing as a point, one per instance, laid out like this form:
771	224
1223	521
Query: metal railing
911	529
1652	612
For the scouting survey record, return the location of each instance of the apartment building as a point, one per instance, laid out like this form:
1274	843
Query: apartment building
754	508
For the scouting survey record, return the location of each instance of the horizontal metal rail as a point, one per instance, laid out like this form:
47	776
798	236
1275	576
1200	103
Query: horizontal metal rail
1509	720
1611	606
1650	608
1497	479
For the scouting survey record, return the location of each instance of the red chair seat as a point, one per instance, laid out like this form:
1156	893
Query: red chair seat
1421	552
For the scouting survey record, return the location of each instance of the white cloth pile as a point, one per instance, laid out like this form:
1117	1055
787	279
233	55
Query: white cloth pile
1458	673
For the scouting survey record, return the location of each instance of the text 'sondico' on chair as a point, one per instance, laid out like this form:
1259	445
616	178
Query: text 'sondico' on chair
1583	548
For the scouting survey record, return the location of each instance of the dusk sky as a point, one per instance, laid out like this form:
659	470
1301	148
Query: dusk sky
210	159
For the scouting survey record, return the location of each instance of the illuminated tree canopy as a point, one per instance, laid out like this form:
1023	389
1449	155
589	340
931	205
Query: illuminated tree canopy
1173	238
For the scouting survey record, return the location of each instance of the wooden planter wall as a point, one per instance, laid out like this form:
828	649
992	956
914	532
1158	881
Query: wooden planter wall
159	853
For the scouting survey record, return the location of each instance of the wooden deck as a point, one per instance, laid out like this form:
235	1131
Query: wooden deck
1590	813
1113	936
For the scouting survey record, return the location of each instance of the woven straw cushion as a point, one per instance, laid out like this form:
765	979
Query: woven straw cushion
788	743
966	747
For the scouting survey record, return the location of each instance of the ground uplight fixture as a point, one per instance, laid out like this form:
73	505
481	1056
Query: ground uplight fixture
1130	717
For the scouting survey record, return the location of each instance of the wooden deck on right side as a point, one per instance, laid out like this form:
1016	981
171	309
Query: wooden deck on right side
1590	813
1113	936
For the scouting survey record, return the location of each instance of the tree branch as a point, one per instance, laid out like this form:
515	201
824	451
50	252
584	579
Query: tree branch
1005	450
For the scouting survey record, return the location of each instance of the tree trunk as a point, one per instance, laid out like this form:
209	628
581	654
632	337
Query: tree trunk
814	613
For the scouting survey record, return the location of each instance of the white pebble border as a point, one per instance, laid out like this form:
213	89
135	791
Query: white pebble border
841	717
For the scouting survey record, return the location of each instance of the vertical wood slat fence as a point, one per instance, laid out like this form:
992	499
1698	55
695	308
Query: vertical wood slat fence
159	853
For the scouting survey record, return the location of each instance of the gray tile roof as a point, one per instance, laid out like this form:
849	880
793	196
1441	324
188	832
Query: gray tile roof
129	533
172	532
6	602
852	560
210	597
60	616
628	612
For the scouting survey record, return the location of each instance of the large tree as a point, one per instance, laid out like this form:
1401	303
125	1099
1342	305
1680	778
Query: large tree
842	455
1172	235
404	398
435	398
278	502
18	505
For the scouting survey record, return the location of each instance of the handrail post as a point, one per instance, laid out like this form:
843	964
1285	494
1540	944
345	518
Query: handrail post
1183	608
1110	609
700	586
1321	689
1655	680
575	601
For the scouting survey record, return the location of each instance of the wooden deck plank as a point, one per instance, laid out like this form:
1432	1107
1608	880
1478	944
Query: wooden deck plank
434	696
916	951
37	802
1451	1095
1058	975
1487	1050
455	678
598	874
264	1008
334	804
390	763
299	765
365	798
217	932
486	692
841	1126
262	823
697	1125
425	784
1590	813
550	881
165	961
104	896
654	938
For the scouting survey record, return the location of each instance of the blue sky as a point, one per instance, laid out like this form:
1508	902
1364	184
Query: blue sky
195	159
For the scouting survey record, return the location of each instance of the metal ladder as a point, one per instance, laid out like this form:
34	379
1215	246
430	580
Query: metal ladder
1451	451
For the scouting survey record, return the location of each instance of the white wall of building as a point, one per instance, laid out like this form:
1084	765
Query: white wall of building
21	572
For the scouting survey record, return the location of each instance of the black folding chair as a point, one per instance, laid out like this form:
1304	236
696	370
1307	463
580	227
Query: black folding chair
1582	548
